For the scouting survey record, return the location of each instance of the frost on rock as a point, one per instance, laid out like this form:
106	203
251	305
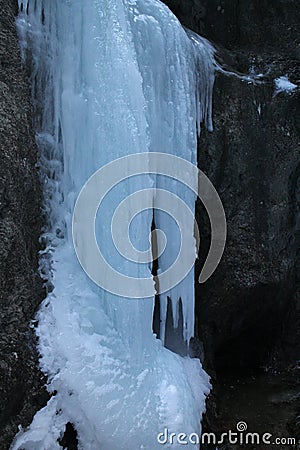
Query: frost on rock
111	78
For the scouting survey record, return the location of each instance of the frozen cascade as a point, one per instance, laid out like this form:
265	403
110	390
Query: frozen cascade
112	78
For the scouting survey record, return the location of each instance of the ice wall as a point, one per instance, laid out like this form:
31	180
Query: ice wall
111	78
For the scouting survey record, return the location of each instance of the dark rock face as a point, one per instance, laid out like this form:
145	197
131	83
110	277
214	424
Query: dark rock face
255	26
20	227
252	157
248	312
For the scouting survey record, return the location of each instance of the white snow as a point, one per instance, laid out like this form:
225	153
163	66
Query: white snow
282	84
111	78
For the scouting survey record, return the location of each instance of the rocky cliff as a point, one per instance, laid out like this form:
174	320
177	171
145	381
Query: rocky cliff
20	225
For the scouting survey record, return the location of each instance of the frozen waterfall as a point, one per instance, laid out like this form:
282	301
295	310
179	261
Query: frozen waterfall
112	78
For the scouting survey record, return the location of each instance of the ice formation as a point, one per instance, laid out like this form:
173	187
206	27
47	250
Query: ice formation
111	78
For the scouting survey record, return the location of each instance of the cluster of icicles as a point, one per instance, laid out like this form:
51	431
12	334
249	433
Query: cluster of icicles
111	78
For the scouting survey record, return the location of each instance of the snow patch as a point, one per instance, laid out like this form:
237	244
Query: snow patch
282	84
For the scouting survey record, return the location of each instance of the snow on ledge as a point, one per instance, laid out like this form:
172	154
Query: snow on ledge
282	84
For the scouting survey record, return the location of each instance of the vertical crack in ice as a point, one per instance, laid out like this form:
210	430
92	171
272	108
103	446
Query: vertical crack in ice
110	78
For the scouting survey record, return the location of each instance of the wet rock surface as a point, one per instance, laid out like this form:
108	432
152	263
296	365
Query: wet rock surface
21	392
248	312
